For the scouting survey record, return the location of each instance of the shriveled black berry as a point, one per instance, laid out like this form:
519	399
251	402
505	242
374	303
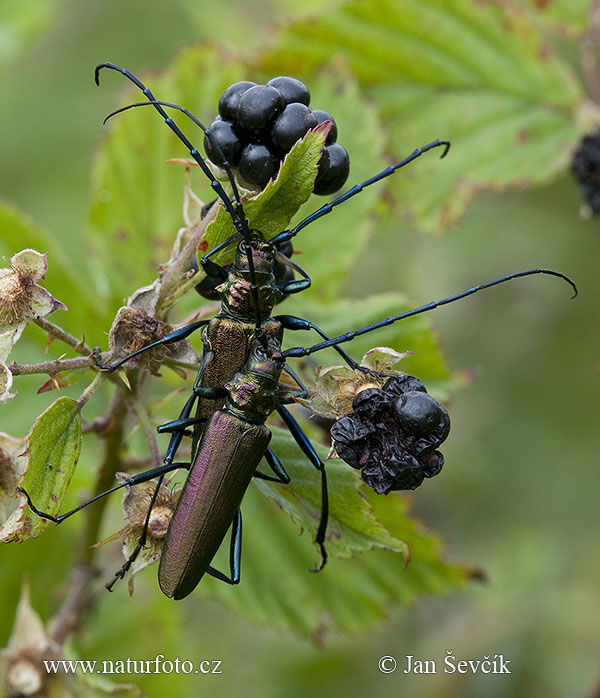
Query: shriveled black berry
230	98
370	402
258	106
348	433
291	125
257	164
329	180
223	134
207	288
585	165
398	385
418	413
292	90
391	435
322	116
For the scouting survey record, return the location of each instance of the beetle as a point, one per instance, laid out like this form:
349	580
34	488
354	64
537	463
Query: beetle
248	296
237	388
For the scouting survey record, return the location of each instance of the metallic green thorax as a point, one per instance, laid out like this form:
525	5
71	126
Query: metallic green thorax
253	391
236	297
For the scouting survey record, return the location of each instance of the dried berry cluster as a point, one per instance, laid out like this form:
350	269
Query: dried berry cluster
391	435
258	125
586	168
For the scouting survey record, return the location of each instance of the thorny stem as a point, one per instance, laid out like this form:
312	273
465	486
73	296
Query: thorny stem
588	58
51	367
78	344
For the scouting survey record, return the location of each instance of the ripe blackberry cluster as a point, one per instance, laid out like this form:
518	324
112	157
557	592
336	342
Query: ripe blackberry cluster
258	125
586	168
391	435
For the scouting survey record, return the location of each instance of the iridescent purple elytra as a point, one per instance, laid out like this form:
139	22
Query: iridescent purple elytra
230	450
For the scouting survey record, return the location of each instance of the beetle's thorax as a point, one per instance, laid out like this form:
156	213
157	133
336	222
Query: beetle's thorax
236	291
253	391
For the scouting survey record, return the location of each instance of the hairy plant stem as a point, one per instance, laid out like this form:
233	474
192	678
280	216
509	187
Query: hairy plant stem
51	367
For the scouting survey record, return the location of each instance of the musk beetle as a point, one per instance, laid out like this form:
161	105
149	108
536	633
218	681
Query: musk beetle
237	386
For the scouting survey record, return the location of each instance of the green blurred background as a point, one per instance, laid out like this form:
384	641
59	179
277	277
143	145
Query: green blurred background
519	494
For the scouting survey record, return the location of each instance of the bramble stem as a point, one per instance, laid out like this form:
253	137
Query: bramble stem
51	367
78	344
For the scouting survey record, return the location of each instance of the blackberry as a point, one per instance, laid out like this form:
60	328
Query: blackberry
258	106
585	165
392	434
230	98
224	135
257	164
332	178
258	125
322	116
293	123
291	89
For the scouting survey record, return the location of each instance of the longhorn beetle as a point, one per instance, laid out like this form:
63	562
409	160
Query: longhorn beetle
237	386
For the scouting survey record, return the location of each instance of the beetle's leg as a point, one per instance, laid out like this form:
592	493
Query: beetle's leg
179	425
235	554
212	268
175	336
309	451
276	466
291	322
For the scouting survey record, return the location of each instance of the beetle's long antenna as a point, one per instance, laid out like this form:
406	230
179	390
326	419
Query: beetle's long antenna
215	144
306	351
238	219
356	189
237	216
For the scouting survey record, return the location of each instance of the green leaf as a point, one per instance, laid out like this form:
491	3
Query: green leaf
476	73
53	448
271	210
351	524
348	595
562	16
